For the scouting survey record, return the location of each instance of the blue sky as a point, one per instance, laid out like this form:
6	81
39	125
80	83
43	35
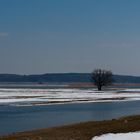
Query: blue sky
50	36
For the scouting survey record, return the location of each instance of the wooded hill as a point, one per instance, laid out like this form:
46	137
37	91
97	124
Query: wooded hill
63	77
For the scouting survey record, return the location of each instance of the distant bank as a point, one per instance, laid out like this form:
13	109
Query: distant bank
63	78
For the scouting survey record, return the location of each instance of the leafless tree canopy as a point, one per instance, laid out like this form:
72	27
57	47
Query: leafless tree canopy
101	78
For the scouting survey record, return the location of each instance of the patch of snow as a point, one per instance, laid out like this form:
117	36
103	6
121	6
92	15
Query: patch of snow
120	136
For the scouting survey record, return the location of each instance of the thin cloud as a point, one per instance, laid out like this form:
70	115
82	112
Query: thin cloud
3	34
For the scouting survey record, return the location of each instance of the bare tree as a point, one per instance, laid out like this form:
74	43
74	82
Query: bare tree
101	78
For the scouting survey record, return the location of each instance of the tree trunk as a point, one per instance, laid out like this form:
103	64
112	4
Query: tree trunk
99	87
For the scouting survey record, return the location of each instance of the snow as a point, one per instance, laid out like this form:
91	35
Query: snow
61	95
120	136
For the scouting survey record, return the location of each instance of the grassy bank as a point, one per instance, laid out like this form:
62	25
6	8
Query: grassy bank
80	131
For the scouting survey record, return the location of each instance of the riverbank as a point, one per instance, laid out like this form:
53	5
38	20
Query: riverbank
80	131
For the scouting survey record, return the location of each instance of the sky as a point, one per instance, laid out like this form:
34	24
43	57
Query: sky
60	36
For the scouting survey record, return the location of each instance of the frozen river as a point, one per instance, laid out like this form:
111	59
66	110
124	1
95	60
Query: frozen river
28	96
22	109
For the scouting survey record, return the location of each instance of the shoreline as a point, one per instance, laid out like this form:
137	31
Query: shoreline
80	131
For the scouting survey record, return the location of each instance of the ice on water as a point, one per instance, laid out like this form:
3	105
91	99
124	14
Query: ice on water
61	95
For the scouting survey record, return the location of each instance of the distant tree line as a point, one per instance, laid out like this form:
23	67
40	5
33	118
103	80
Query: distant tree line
63	77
